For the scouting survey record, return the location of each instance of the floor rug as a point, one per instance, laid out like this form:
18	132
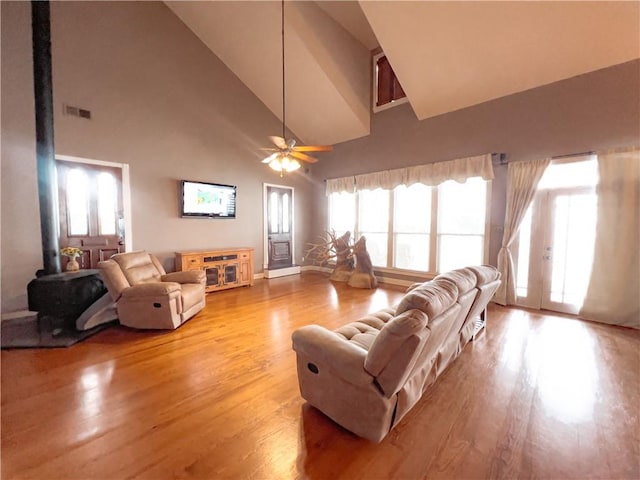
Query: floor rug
28	332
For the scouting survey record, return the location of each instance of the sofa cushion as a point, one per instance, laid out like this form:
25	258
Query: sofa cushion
464	279
391	338
485	273
192	294
137	267
432	298
113	278
365	330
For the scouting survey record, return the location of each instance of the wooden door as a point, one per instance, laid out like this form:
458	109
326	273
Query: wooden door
91	211
279	227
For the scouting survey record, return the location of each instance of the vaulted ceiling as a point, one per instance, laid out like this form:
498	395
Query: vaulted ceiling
447	55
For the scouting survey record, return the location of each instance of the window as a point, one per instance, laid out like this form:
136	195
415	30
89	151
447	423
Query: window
461	223
411	227
342	212
387	91
107	203
77	202
420	228
373	223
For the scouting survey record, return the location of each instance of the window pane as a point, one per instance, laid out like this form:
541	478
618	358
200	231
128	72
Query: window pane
411	251
77	202
342	212
374	211
285	213
412	209
573	239
107	203
377	248
461	206
574	174
457	251
412	225
273	213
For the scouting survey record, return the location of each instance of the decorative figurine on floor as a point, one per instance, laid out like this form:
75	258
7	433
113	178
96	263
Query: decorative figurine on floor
363	276
345	254
333	248
344	258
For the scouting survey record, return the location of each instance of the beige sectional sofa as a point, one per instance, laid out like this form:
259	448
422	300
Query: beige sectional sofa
368	374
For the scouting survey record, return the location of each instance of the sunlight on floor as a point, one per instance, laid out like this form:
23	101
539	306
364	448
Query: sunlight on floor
561	359
91	384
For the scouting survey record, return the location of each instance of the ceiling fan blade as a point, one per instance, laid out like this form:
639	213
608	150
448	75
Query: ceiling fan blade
271	157
313	148
269	149
279	142
304	157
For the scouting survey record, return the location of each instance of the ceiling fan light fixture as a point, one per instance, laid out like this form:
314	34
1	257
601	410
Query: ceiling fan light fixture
287	154
283	163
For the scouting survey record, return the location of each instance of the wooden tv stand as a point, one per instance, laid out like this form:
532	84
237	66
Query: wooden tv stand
225	268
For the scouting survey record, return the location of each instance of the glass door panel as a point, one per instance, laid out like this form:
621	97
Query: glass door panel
568	254
554	251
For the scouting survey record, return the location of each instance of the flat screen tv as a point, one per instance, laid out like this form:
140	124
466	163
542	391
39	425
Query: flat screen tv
207	200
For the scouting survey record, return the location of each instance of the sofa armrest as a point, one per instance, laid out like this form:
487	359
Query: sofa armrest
151	289
327	349
187	276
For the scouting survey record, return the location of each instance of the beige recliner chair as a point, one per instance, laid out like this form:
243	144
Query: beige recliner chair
148	297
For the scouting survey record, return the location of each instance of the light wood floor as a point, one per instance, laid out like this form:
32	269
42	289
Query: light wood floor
535	396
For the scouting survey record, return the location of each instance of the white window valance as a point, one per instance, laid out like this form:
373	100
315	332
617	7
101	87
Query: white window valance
340	185
430	174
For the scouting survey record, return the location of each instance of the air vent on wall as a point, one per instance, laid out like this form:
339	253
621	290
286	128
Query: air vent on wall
76	111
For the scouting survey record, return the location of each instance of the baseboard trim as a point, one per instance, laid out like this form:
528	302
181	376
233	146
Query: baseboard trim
381	278
316	268
282	272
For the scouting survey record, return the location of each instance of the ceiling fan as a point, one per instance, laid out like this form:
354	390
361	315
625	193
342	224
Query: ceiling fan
286	154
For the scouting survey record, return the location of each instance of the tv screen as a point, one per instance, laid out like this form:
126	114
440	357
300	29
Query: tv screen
208	200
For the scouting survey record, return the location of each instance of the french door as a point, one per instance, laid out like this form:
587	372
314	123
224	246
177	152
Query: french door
554	254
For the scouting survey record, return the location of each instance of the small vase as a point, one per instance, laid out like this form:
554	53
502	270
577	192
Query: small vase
73	265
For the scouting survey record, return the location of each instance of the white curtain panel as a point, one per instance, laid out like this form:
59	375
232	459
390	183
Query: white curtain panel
340	185
613	295
522	181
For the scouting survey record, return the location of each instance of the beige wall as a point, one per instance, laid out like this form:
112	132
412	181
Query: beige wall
161	102
594	111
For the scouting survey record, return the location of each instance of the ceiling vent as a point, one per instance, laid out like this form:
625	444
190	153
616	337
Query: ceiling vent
76	111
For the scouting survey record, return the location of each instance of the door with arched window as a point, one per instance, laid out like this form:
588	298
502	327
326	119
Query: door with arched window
91	211
279	227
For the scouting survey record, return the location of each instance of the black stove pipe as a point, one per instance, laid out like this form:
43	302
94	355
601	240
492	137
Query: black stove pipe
45	151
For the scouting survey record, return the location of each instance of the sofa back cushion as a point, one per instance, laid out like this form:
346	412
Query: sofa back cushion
139	267
485	274
432	297
393	353
113	278
464	278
